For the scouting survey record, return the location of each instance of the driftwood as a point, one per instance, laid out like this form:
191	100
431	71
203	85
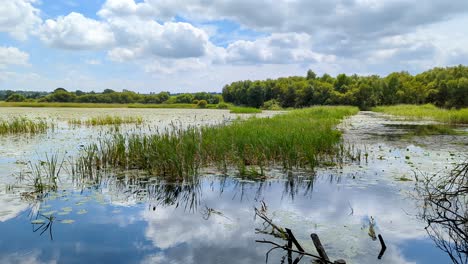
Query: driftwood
383	247
287	234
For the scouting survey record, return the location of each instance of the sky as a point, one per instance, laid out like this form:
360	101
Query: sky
201	45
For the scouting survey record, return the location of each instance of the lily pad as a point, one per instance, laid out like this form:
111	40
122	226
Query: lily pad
82	211
67	221
37	222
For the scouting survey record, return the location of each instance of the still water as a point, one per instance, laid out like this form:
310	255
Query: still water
139	219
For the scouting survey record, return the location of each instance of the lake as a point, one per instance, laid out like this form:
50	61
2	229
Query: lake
129	217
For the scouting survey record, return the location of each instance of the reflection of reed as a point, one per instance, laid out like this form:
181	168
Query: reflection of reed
445	204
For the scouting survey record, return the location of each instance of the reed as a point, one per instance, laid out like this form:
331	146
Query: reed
244	110
427	111
298	139
98	105
107	120
23	125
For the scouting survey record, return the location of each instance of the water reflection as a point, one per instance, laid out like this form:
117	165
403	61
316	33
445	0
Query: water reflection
445	209
132	218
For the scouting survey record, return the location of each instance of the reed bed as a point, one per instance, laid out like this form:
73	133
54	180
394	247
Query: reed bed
107	120
23	125
298	139
244	110
98	105
427	111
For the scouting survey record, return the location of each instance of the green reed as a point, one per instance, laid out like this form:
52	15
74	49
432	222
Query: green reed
107	120
244	110
23	125
427	111
298	139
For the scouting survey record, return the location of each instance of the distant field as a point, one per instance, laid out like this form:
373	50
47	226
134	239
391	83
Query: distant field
427	111
92	105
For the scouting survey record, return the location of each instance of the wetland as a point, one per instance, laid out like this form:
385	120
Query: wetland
181	185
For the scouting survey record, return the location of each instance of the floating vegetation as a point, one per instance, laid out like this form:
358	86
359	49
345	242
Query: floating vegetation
23	125
426	111
107	120
426	130
244	110
299	139
82	211
67	221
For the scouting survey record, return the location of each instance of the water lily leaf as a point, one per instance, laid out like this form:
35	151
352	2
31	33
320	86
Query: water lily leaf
82	211
49	213
67	221
37	222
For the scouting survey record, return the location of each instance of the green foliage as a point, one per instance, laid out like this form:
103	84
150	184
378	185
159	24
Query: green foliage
444	87
107	120
23	125
16	98
244	110
202	104
299	139
271	105
222	105
426	111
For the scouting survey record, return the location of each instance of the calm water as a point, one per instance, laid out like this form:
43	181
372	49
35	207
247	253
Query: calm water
141	220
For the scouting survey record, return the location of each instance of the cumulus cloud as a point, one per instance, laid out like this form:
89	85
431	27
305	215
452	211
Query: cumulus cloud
137	38
75	31
12	56
275	49
19	17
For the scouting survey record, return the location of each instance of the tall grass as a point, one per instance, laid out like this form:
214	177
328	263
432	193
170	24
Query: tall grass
298	139
107	120
244	110
427	111
23	125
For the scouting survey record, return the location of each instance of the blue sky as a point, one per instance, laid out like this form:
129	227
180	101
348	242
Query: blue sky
200	45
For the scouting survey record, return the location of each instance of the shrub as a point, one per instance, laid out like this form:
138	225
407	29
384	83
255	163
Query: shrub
202	104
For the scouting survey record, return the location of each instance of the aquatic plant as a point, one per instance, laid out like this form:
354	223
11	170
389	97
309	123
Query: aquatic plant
23	125
44	175
427	111
244	110
99	105
107	120
298	139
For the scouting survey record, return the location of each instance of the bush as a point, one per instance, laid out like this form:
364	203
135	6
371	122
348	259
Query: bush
222	106
202	104
271	105
16	98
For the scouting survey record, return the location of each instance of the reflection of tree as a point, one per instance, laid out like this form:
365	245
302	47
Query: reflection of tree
445	204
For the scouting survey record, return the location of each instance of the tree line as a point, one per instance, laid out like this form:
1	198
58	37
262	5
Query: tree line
109	96
444	87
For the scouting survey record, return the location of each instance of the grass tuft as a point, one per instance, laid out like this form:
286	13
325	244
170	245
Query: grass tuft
244	110
23	125
107	120
427	111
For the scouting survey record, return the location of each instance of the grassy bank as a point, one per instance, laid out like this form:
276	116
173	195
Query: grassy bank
298	139
23	125
427	111
92	105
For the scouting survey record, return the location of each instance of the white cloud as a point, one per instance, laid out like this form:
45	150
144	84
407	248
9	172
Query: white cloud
75	31
275	49
12	56
137	38
18	17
